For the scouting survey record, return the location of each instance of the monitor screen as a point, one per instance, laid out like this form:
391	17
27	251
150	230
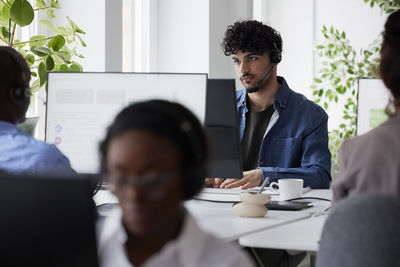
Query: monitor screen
80	106
47	221
373	98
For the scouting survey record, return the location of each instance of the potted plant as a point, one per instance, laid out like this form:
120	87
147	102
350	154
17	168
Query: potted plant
336	82
43	53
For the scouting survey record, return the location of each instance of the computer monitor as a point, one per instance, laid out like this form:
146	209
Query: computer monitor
80	106
222	127
373	97
47	221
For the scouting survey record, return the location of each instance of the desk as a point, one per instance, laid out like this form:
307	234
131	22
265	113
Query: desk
295	230
219	219
301	235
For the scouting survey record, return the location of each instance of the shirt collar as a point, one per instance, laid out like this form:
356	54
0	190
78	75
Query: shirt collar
281	98
188	246
7	127
113	227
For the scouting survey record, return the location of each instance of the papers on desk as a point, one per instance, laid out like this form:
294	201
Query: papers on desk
233	195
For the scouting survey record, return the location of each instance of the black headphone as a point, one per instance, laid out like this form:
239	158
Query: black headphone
21	90
275	55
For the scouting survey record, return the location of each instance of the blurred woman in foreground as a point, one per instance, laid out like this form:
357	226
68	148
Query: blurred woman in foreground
155	157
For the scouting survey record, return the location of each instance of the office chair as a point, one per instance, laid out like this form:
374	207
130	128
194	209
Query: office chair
362	231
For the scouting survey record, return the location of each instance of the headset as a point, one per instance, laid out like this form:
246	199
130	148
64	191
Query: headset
275	55
21	90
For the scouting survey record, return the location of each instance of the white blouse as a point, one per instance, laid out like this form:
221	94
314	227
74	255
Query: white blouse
193	247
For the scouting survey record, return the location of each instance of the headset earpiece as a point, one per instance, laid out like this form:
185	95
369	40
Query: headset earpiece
19	93
275	55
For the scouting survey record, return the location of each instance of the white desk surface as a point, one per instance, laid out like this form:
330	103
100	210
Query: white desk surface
301	235
218	219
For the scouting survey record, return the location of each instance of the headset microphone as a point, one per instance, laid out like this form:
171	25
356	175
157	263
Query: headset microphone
256	87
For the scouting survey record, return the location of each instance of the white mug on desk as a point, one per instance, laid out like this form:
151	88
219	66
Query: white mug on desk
289	188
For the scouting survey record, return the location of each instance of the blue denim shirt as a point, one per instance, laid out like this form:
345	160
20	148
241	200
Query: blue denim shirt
295	144
22	154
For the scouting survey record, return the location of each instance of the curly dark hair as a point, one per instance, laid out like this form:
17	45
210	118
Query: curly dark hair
389	67
251	35
175	123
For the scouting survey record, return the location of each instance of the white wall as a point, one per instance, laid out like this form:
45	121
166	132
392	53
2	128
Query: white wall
182	36
224	13
294	20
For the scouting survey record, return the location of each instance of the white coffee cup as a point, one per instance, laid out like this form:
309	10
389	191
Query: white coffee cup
288	188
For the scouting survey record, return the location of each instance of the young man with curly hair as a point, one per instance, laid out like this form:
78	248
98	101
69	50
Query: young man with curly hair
283	134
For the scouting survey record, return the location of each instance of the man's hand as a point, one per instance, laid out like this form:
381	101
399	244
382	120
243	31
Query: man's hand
214	182
250	179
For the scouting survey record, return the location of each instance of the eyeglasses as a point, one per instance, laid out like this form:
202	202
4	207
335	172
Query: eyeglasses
153	185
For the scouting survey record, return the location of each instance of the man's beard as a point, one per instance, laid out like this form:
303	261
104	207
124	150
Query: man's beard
252	89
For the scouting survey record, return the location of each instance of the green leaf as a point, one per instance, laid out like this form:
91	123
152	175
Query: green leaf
40	4
75	27
37	40
22	12
50	13
35	86
54	4
57	43
82	42
49	63
75	67
5	13
42	73
30	59
320	46
317	80
49	25
63	56
63	68
34	74
337	80
40	51
325	106
4	33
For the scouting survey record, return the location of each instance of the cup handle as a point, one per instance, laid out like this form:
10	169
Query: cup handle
271	185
